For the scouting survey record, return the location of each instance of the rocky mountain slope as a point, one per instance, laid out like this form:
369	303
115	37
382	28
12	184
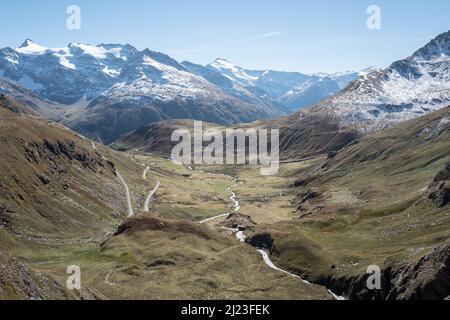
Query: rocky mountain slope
52	179
56	191
125	88
17	282
25	96
407	89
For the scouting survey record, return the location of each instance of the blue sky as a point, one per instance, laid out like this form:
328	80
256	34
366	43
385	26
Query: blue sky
291	35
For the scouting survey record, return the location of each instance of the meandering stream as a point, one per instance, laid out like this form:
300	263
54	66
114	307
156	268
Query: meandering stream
240	235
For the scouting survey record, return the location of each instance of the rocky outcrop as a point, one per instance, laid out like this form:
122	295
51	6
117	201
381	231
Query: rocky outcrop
441	195
135	225
18	282
57	150
426	279
443	174
44	179
302	182
6	214
331	155
262	241
307	200
440	187
309	194
239	221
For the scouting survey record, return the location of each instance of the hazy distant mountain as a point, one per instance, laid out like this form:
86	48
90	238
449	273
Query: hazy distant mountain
241	90
293	89
109	89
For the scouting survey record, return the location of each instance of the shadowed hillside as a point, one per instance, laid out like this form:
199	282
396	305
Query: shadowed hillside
383	200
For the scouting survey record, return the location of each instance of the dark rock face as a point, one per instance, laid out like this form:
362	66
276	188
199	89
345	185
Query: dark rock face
262	241
239	221
441	195
426	279
31	152
299	183
17	281
310	194
331	155
440	187
44	179
55	151
5	215
444	174
112	166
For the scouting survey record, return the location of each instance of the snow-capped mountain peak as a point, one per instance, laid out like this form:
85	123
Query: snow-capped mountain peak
293	89
437	48
235	73
91	83
407	89
29	47
369	70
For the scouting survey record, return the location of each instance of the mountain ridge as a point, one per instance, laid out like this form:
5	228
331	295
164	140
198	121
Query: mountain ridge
406	89
96	85
84	86
293	89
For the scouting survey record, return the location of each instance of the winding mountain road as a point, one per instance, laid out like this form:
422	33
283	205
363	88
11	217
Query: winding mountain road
150	196
127	194
125	185
144	175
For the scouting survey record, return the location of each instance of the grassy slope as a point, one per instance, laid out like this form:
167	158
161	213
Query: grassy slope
175	259
48	227
373	206
68	204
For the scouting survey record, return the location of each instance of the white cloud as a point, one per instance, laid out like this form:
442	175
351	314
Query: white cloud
264	35
205	48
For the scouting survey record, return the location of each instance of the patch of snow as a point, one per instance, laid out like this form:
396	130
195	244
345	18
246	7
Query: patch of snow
407	89
96	52
66	63
11	60
111	72
233	72
99	52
